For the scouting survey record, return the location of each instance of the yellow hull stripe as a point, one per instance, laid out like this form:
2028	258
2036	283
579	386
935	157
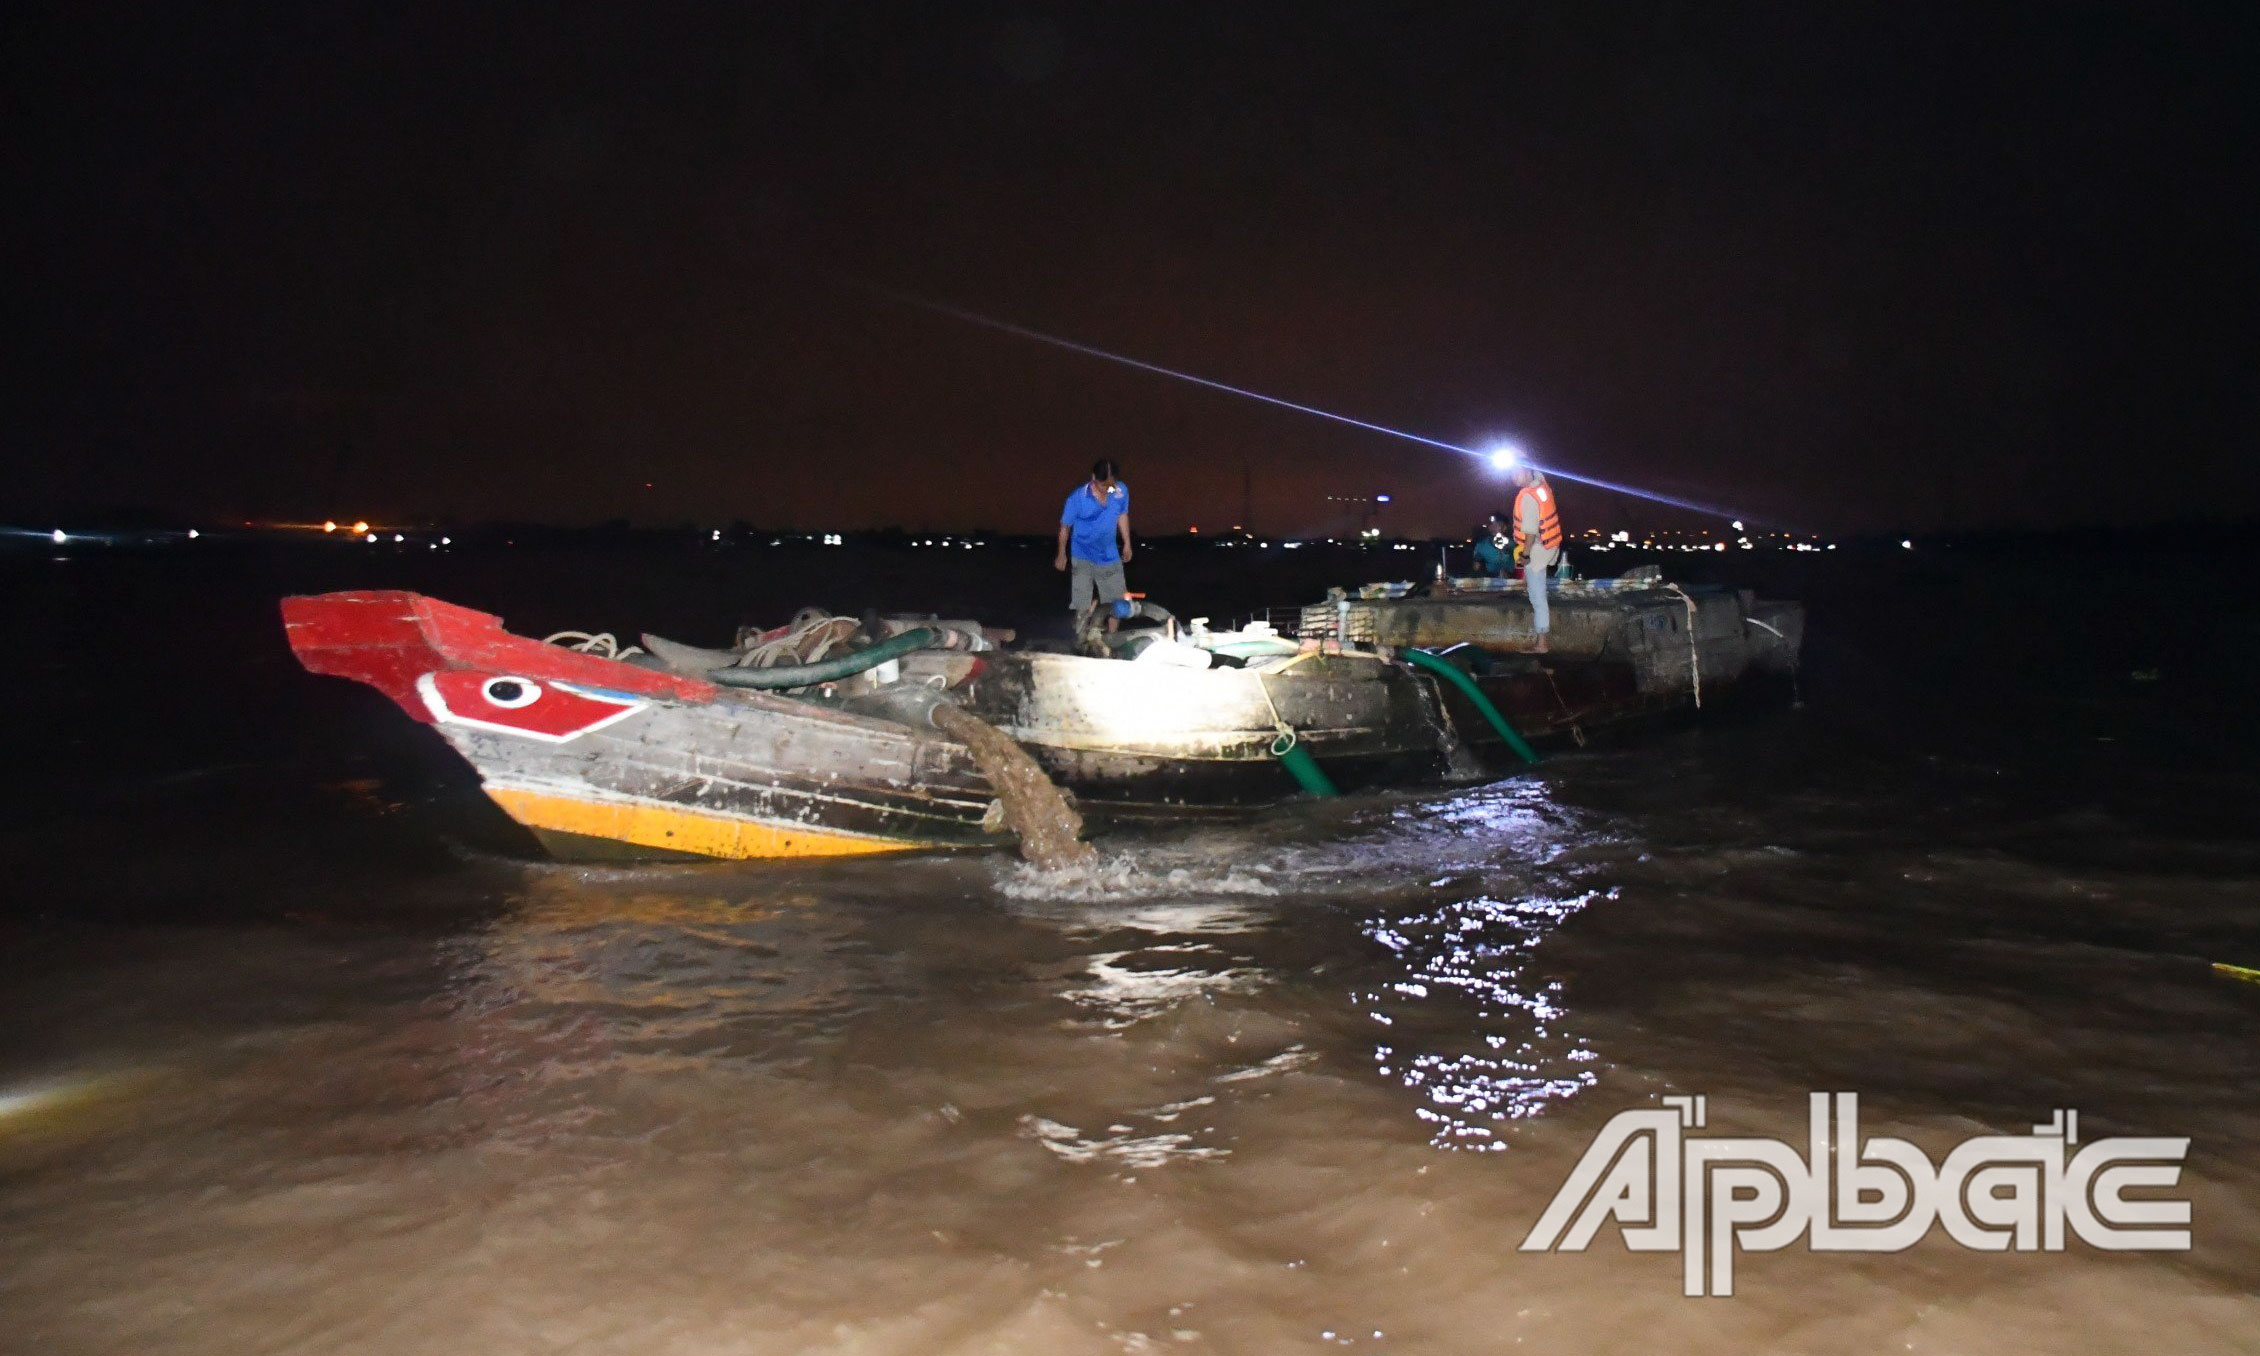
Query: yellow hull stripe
680	829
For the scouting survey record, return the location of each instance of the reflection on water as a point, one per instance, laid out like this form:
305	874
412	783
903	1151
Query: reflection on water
690	972
1125	986
1469	1026
1191	1097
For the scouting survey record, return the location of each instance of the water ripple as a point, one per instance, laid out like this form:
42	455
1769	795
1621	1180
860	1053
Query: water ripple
1471	1027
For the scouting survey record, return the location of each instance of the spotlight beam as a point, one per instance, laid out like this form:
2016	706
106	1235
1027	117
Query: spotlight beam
1092	351
1007	327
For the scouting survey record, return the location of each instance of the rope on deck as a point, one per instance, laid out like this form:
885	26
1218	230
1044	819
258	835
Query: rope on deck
1694	653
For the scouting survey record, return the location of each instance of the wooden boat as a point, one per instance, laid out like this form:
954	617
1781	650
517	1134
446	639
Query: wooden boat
603	759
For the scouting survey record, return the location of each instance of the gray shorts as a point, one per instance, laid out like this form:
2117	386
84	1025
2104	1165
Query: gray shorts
1088	581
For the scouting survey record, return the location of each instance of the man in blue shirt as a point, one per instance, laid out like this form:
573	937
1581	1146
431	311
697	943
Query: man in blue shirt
1096	517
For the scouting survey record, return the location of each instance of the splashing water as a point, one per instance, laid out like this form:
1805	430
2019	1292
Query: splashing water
1126	876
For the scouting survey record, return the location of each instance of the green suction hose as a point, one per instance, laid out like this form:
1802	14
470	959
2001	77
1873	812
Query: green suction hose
1451	673
828	670
1289	750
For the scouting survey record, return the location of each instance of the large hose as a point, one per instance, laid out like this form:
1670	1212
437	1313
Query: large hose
1289	750
1451	673
829	670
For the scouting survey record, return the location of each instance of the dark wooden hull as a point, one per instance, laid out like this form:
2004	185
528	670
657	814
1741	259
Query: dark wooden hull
601	759
739	778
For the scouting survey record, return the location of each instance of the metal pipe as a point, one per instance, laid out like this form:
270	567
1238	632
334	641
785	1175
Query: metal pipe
1451	673
828	670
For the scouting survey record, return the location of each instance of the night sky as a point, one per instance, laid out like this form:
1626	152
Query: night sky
1832	267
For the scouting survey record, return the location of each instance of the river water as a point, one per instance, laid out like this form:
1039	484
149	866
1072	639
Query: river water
305	1053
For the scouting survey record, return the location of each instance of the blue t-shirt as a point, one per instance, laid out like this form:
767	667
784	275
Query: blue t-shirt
1091	523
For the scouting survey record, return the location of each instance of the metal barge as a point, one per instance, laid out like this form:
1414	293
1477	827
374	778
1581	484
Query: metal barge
1623	651
1138	739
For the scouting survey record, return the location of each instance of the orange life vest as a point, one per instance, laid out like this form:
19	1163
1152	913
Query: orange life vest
1549	522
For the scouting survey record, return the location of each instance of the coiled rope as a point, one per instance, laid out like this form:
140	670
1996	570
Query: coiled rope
602	644
812	634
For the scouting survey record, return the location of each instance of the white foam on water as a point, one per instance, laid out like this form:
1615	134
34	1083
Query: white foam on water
1130	875
1505	827
1286	1061
1120	1145
1125	986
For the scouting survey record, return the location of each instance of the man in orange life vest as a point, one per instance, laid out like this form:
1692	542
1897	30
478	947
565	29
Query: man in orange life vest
1538	543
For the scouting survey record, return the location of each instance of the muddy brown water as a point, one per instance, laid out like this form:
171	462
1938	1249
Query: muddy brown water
304	1053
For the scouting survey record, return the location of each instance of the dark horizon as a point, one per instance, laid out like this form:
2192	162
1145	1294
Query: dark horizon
1846	271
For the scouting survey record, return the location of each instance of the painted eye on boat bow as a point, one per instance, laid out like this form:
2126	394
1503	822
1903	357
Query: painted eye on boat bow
511	693
548	709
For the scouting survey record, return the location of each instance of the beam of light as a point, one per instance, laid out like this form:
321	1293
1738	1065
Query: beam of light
1691	505
33	1101
27	1098
1501	458
1007	327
